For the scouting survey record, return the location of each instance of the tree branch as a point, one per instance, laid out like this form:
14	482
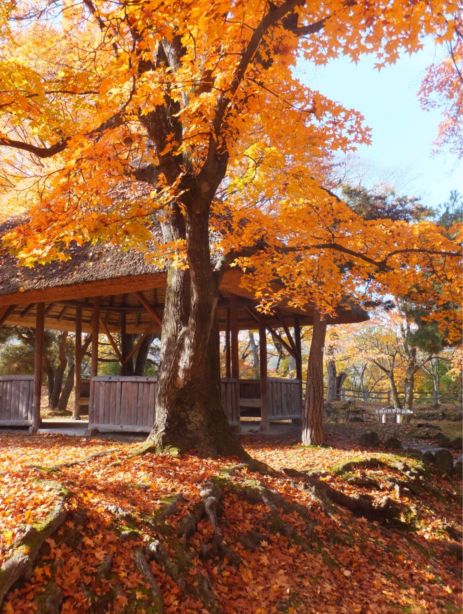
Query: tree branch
48	152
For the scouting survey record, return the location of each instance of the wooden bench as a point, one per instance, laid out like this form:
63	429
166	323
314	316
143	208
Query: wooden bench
400	414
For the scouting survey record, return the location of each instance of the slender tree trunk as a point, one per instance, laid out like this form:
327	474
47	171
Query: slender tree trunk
312	421
340	379
364	393
50	378
331	396
435	381
67	389
255	355
59	371
394	393
189	413
410	379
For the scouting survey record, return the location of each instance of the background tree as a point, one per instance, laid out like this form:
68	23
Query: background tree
181	113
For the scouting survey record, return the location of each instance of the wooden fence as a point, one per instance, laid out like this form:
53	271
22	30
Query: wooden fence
16	400
121	403
284	397
127	403
231	400
384	396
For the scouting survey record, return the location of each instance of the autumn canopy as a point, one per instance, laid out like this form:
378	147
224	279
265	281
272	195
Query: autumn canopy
180	128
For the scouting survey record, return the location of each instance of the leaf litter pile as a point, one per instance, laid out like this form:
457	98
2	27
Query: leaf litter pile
100	526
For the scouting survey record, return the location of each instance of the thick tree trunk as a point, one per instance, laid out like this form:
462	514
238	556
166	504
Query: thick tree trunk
189	413
331	369
312	421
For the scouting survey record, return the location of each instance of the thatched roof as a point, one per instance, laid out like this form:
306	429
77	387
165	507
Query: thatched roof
88	263
116	276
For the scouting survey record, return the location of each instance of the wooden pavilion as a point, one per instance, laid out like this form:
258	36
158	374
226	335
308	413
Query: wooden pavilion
104	290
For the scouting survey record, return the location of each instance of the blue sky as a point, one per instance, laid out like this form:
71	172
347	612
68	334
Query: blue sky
403	134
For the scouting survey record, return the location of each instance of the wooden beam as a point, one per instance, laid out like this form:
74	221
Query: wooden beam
38	364
63	311
288	333
95	333
5	312
148	307
235	358
263	375
111	340
49	307
78	363
26	310
286	345
252	313
100	287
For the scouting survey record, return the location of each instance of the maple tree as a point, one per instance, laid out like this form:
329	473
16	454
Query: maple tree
164	126
443	87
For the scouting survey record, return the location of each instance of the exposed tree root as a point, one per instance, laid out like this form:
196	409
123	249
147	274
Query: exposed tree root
50	600
26	550
144	568
81	461
385	510
176	546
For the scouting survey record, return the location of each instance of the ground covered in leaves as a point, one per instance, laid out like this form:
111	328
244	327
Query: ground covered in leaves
95	526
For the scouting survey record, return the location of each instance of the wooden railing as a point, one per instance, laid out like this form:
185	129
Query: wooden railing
284	397
16	400
120	403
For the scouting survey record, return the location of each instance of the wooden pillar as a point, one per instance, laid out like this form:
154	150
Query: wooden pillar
38	364
78	363
298	356
263	375
126	346
227	345
297	341
95	332
235	358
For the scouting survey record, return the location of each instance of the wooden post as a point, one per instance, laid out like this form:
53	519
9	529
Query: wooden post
38	364
126	346
78	363
297	341
235	358
95	332
263	375
227	345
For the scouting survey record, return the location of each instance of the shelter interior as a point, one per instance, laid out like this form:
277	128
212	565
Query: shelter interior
133	305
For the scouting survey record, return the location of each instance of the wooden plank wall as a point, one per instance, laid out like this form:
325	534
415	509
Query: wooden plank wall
120	403
16	400
284	398
231	400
